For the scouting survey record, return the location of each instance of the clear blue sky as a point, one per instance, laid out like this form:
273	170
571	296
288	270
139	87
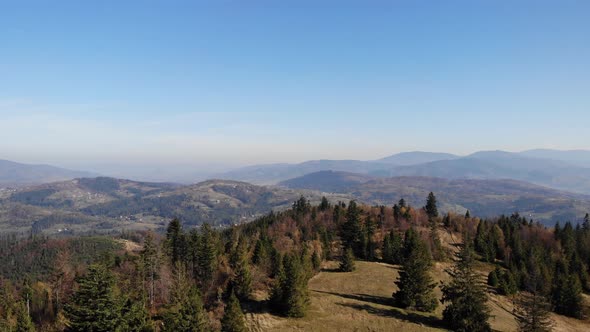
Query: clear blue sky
243	82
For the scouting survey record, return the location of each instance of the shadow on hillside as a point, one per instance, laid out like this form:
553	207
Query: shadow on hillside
393	312
362	297
397	313
256	307
330	269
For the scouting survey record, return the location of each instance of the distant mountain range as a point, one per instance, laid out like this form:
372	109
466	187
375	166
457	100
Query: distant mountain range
564	170
484	198
17	174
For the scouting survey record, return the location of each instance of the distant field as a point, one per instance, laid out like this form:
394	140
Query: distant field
359	301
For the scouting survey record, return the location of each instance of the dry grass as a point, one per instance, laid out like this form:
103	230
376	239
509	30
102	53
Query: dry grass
360	301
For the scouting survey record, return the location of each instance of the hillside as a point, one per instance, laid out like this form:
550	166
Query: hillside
483	197
18	174
106	204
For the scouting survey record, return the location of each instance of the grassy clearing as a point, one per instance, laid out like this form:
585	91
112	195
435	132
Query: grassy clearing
360	301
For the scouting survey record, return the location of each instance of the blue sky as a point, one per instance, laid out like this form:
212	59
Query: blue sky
241	82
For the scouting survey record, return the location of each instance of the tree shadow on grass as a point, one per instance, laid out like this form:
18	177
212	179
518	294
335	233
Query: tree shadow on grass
399	314
257	307
331	269
361	297
403	315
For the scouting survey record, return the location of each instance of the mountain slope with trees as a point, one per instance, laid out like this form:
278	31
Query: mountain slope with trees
486	198
205	279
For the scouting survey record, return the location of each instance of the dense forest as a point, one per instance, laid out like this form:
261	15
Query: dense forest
204	279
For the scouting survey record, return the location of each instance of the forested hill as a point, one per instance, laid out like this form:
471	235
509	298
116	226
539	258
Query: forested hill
486	198
106	204
206	279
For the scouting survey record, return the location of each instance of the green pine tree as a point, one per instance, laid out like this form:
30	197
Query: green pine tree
23	319
467	310
351	231
233	318
185	312
94	308
175	241
370	245
135	318
415	283
531	307
324	205
207	256
431	208
151	262
347	261
290	296
316	262
242	280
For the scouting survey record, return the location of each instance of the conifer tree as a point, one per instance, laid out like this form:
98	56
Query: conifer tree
135	318
370	245
242	280
261	254
467	310
532	312
415	283
567	295
290	295
175	241
23	319
531	307
431	208
207	256
188	315
436	245
586	223
93	307
351	231
316	262
396	213
347	261
150	260
233	318
324	205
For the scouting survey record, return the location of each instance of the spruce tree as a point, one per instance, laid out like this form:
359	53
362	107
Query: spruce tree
431	208
23	319
150	260
316	262
290	295
467	310
351	231
175	241
415	283
233	318
324	205
370	245
207	256
135	318
94	308
347	261
531	307
242	280
185	313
